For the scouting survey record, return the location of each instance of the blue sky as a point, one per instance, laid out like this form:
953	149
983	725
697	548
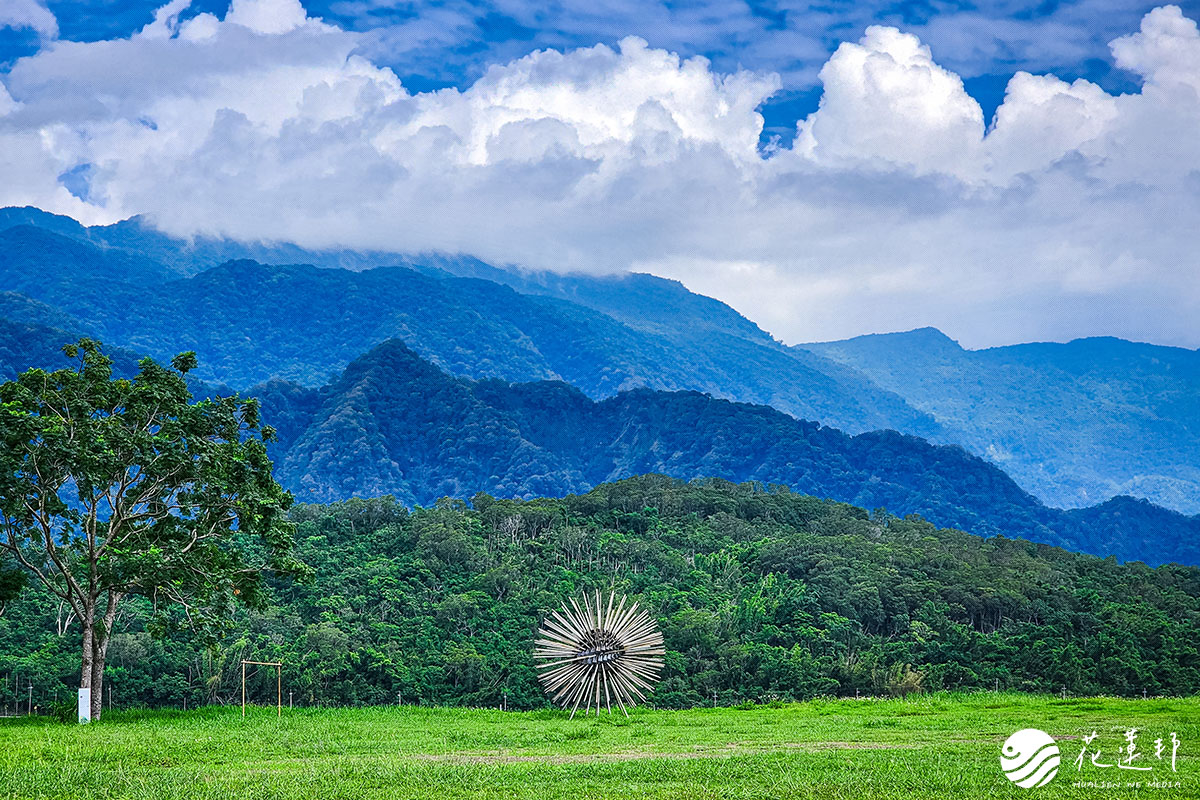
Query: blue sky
1006	171
438	44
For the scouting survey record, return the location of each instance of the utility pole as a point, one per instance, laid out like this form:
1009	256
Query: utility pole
289	701
30	709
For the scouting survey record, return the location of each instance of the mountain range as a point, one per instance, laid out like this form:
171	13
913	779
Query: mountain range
1074	423
250	322
394	424
1077	425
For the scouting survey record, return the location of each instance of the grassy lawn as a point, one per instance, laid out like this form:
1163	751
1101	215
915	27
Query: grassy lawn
935	746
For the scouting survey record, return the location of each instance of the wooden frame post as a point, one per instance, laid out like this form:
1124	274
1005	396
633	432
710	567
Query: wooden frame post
278	665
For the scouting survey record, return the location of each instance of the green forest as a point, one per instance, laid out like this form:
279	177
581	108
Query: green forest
762	594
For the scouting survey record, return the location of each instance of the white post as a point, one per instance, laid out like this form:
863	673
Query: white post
85	706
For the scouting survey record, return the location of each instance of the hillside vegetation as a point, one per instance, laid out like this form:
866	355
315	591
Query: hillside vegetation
760	595
394	424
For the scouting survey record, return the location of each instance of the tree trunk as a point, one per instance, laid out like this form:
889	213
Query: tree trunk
98	653
88	621
100	639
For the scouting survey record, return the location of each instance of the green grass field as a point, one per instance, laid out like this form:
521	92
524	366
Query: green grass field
935	746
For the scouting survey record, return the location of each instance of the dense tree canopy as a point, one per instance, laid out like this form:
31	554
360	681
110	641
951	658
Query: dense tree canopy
761	594
12	581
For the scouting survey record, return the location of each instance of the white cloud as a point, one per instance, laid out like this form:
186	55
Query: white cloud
1165	51
199	27
607	99
166	20
28	14
1073	214
886	101
1043	119
267	16
7	104
455	40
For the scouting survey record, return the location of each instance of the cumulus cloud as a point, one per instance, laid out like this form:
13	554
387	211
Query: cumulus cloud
886	102
453	41
898	205
28	14
267	16
1164	51
605	99
1043	119
7	104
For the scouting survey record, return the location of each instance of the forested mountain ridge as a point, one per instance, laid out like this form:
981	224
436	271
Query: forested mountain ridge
639	300
27	345
307	323
760	595
1135	525
395	424
1075	423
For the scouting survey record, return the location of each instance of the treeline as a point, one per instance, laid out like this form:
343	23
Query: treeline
761	594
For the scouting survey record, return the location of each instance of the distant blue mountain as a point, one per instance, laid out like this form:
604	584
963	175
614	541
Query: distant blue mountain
250	322
1074	423
642	301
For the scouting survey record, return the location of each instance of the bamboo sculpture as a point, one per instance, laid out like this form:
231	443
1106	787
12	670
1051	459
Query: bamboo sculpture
599	650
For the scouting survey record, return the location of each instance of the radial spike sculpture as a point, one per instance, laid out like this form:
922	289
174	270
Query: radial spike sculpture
605	652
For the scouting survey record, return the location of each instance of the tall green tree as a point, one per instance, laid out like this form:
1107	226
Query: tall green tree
112	487
12	581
